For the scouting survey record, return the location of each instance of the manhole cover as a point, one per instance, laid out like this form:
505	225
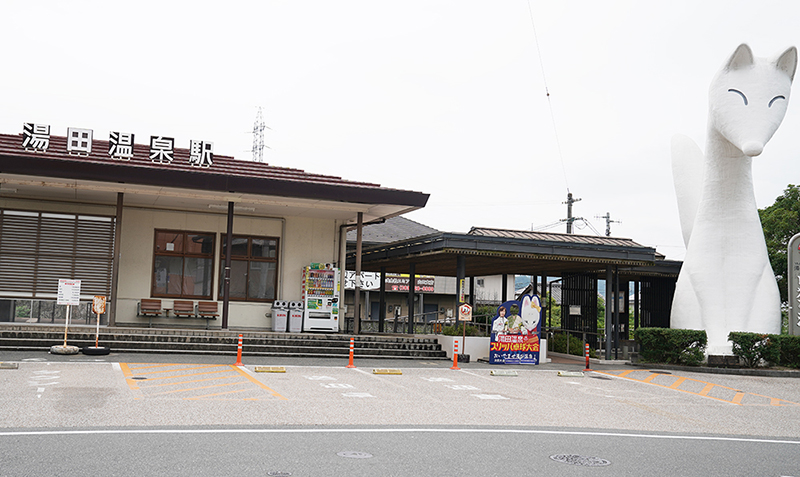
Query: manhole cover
138	377
354	455
574	459
277	473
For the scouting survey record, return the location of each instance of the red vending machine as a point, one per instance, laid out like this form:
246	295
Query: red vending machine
321	290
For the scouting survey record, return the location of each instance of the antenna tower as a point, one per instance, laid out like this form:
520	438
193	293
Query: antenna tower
258	138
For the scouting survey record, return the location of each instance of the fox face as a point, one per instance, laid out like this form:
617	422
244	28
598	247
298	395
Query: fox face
748	98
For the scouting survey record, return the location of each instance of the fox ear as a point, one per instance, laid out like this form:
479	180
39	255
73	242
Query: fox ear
741	58
787	62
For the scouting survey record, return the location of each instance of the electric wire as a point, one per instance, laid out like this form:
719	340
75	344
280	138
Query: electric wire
547	92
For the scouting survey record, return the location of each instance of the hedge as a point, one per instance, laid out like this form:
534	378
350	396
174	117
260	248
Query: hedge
672	346
755	348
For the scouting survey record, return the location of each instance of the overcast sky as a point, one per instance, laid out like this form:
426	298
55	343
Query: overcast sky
443	97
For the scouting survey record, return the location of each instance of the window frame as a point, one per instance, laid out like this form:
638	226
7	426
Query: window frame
248	259
183	255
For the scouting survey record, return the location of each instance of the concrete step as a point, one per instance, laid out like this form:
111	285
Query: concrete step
33	337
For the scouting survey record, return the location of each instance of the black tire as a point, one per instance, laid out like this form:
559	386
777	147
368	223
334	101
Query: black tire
91	350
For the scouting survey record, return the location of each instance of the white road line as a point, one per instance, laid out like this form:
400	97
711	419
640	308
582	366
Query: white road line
386	431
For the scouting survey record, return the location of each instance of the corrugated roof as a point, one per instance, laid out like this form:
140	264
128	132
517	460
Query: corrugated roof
392	230
556	237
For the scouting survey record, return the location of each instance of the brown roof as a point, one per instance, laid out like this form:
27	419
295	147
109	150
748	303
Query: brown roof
568	238
226	174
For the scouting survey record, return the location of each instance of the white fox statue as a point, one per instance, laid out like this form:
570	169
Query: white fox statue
726	282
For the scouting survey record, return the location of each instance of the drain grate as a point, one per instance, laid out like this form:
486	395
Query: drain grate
586	461
138	377
354	454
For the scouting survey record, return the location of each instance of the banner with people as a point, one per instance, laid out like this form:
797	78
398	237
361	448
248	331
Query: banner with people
515	332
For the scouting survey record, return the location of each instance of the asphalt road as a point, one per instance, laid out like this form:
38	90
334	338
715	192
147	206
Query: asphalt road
199	415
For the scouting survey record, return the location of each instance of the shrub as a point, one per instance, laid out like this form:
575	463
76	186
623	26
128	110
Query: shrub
752	348
558	344
789	350
459	331
667	345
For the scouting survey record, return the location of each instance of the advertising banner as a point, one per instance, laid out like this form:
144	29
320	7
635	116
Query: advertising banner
515	332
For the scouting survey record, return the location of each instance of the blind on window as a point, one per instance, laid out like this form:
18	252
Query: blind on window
38	248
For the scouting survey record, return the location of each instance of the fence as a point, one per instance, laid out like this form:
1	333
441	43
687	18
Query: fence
47	312
399	324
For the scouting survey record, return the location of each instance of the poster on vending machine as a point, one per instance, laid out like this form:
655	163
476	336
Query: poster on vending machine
515	332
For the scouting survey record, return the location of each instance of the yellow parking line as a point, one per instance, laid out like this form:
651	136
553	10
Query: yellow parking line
677	383
187	382
216	394
737	398
194	389
259	383
181	369
186	375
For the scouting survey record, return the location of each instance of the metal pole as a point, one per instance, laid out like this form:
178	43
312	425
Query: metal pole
609	316
112	312
357	316
616	312
382	312
412	278
226	285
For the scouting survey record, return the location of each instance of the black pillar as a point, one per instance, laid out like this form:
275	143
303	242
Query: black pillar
382	312
112	315
504	296
226	285
357	315
412	279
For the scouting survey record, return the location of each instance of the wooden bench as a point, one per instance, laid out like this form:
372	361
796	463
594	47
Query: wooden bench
183	308
150	308
208	310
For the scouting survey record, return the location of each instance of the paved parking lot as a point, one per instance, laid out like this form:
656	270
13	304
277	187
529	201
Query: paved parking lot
90	393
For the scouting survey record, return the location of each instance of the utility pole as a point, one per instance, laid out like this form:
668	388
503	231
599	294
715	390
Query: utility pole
570	219
608	222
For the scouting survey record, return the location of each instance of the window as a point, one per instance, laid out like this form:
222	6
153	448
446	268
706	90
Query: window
183	264
479	282
254	268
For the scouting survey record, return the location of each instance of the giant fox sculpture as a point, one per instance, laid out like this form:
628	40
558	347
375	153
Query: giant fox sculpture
726	282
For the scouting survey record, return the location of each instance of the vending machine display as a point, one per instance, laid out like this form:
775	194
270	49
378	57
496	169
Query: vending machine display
321	290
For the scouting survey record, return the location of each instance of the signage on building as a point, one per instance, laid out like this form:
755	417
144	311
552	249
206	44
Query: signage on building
36	137
395	282
793	256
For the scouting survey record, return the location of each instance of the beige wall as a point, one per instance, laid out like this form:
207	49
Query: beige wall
304	240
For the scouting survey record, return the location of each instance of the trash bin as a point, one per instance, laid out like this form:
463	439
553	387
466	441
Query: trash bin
295	316
280	315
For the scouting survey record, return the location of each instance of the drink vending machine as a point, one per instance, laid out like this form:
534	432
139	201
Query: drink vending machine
321	289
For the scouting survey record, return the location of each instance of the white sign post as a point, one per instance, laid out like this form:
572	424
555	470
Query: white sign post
69	293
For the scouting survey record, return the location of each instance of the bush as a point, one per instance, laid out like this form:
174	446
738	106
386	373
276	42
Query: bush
558	344
459	331
789	350
752	348
671	346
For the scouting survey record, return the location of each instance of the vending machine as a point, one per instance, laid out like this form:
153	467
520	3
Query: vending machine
321	297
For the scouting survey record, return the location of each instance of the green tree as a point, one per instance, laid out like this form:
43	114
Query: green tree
781	221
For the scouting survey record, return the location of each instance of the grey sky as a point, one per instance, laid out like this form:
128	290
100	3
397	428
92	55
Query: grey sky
444	97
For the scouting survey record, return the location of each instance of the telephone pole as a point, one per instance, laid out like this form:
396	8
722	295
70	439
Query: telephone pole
608	222
570	219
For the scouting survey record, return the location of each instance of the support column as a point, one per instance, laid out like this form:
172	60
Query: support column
461	265
382	305
609	316
357	315
504	293
412	278
226	284
616	312
636	304
472	292
112	309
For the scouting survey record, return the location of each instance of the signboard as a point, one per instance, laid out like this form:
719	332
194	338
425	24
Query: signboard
515	332
793	258
69	292
99	305
395	282
465	312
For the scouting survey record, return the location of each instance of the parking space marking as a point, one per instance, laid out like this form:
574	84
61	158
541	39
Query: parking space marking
141	380
699	388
